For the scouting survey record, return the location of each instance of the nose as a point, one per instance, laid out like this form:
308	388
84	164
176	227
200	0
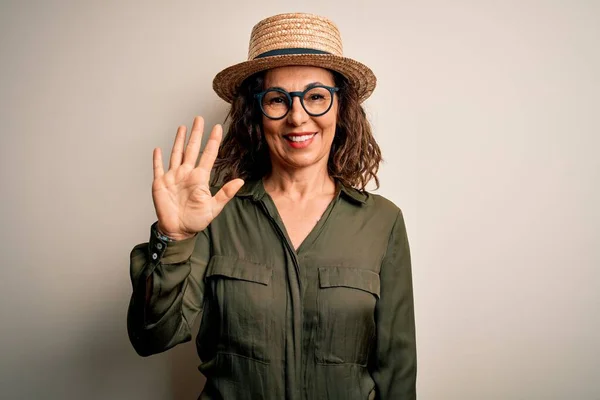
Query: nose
297	115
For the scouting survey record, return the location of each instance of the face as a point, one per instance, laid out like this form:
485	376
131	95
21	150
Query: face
299	140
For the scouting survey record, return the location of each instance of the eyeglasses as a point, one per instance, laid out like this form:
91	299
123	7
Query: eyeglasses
275	103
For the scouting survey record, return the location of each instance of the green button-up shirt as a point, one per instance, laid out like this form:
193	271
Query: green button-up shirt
333	319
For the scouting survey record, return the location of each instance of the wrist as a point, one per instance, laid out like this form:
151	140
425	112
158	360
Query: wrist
171	237
175	237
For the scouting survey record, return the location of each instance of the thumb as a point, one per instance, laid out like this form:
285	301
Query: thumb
226	193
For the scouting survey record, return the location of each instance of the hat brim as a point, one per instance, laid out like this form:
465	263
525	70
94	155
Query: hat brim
359	75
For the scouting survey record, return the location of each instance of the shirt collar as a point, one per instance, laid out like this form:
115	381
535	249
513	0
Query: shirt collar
256	190
358	196
252	188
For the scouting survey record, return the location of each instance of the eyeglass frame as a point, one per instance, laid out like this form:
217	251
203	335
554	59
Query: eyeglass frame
290	96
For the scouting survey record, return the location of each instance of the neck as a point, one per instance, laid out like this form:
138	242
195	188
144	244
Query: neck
299	184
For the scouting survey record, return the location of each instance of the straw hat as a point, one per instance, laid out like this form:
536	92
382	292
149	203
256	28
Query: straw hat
295	39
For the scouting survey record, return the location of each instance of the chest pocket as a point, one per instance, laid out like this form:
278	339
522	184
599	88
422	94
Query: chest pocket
346	301
240	301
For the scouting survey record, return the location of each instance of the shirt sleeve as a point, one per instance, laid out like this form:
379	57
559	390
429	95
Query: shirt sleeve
394	365
168	290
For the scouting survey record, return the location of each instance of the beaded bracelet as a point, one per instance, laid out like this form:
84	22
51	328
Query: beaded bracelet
160	235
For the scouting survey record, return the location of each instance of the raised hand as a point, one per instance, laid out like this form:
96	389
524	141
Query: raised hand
182	198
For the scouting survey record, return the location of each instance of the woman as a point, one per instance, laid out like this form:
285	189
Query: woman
301	277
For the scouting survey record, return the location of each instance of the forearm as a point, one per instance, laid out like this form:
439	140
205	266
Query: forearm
159	272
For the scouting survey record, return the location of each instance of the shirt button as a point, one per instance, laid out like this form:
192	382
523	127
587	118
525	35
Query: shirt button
154	256
159	246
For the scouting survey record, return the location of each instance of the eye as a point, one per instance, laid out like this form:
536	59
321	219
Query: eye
317	95
276	100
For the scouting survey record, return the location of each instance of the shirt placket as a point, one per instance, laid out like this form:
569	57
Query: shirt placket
294	320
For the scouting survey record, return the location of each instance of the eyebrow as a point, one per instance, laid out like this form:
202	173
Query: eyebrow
305	87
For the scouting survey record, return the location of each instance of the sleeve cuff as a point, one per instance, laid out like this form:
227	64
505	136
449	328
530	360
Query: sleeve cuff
165	251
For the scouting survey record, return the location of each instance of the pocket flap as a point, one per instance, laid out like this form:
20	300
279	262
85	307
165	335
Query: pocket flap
349	277
236	268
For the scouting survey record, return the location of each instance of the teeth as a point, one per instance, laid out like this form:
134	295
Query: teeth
300	138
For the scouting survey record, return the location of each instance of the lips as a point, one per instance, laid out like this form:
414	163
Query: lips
299	137
299	140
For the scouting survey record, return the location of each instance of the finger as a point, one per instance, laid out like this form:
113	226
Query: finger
211	150
226	193
193	147
177	152
157	163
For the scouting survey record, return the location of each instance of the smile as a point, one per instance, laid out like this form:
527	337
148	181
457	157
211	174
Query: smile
300	138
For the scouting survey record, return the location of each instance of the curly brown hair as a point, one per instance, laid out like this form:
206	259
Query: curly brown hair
354	157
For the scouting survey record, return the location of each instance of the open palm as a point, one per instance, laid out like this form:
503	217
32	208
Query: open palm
182	198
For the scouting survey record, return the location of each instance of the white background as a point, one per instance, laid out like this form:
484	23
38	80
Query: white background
487	115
